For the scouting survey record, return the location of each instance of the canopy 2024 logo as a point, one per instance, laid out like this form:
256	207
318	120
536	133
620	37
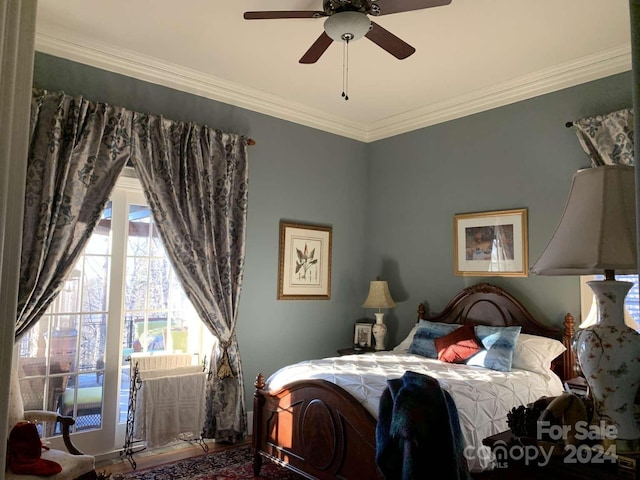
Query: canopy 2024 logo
539	454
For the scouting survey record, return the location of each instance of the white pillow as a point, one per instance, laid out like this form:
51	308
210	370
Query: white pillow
535	353
403	346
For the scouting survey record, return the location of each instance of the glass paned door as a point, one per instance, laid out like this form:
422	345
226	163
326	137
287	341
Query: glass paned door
158	317
121	297
61	359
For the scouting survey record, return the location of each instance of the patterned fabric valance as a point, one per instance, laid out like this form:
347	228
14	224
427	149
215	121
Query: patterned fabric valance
607	139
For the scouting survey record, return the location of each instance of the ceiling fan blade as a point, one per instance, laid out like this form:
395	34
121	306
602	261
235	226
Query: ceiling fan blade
264	15
317	49
396	6
387	40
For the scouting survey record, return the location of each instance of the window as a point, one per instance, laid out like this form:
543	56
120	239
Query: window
122	296
631	303
157	312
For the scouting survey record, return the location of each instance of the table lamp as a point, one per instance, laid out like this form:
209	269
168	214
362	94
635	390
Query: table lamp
597	235
379	297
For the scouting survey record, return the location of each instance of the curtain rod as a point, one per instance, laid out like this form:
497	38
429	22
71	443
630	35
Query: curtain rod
251	141
568	124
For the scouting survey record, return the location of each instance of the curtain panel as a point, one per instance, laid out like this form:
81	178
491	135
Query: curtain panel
607	139
195	179
77	150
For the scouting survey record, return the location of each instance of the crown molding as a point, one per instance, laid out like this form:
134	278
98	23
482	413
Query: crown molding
180	78
586	69
593	67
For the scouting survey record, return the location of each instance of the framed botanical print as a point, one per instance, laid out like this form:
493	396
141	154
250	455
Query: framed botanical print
304	271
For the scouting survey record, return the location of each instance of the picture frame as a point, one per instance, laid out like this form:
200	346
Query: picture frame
304	271
362	335
491	243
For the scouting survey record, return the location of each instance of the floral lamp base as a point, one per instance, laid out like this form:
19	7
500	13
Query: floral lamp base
609	356
379	331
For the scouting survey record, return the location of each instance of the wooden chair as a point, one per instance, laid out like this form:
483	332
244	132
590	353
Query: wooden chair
75	465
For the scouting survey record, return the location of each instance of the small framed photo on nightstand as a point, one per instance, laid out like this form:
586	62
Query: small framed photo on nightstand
362	335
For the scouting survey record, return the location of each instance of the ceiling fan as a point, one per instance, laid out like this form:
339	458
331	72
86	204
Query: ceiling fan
348	20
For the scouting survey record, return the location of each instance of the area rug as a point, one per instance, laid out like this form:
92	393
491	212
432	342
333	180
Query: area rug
231	464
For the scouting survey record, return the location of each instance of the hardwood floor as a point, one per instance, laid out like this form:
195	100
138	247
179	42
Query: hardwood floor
159	456
153	458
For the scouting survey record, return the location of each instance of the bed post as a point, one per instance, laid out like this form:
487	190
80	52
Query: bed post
422	312
570	366
258	406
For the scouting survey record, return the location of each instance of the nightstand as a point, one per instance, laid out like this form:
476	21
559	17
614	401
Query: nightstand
558	467
352	350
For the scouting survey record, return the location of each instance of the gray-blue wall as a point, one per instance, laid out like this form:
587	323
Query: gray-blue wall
391	203
517	156
295	173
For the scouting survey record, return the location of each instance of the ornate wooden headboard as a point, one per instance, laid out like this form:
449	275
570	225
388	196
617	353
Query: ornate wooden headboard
487	304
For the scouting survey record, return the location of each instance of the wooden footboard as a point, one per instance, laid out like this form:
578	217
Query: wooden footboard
316	429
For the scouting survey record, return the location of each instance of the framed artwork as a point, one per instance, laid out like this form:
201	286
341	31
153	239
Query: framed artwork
492	244
362	335
304	271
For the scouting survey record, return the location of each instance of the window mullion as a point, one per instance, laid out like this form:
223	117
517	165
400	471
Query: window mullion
115	307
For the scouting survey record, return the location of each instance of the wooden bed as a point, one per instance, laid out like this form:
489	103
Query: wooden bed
317	429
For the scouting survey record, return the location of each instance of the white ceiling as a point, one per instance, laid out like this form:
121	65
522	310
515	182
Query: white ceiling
470	56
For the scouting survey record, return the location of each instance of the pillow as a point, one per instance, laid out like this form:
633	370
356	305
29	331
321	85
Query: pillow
499	344
423	340
535	353
403	346
458	346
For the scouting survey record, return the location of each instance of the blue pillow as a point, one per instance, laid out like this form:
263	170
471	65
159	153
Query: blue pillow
423	340
499	344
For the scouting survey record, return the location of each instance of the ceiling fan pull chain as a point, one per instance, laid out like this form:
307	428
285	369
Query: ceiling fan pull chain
345	69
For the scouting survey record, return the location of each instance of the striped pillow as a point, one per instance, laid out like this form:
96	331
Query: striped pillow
499	344
423	342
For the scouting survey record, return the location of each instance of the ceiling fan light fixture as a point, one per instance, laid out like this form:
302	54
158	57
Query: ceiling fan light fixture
349	26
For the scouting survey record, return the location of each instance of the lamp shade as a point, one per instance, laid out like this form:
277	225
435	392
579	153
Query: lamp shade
379	296
597	231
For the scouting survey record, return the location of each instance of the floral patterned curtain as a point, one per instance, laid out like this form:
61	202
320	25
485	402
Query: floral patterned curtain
195	180
77	150
607	139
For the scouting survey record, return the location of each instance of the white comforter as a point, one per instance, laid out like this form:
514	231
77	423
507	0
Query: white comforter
483	397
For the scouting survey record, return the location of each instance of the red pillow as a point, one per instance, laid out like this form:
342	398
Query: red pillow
459	345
